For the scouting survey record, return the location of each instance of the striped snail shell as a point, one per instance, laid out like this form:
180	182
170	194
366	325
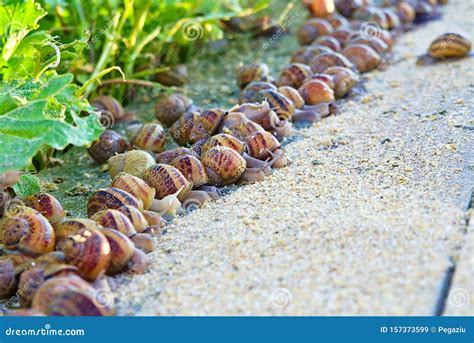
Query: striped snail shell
225	140
306	54
181	130
133	162
251	93
293	95
363	57
112	198
392	18
450	45
223	165
70	227
135	216
323	61
89	251
344	80
251	72
47	205
167	180
294	75
330	42
338	21
109	144
136	187
121	250
326	78
406	12
192	169
10	267
312	29
150	136
167	156
108	104
114	219
205	124
375	43
342	35
315	91
279	103
171	107
371	14
261	144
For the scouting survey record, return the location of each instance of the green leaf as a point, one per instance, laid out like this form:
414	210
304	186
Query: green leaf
27	185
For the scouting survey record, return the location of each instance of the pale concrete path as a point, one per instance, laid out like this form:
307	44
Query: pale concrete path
364	221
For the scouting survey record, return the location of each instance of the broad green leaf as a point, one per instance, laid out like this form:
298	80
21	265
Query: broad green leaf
27	185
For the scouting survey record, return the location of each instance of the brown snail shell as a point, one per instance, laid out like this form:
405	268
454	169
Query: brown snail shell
330	42
371	14
206	124
344	80
279	103
338	21
175	76
121	250
326	78
150	137
108	104
260	144
315	91
253	111
348	7
306	54
181	130
312	29
393	21
363	56
406	12
293	95
192	169
374	42
171	107
132	162
69	296
111	198
167	180
47	205
136	187
251	93
223	139
252	72
89	251
114	219
294	75
135	216
223	165
29	232
109	144
320	63
450	45
342	35
167	156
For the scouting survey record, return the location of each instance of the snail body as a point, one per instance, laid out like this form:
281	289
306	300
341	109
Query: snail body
47	205
223	165
109	144
111	198
253	111
150	136
133	162
136	187
167	180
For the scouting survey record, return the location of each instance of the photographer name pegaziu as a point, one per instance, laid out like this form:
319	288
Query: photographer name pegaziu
449	330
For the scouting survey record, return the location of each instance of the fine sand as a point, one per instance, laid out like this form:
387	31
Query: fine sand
367	219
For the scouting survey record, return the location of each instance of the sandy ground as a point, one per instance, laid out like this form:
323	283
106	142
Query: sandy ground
364	221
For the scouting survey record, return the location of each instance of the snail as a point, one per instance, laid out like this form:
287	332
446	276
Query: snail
293	95
109	144
195	199
111	198
181	130
171	107
312	29
344	80
154	219
139	262
251	93
135	216
330	42
47	205
252	72
175	76
279	103
424	11
9	178
70	296
363	57
320	8
337	21
114	219
121	250
205	124
28	231
371	14
326	78
108	104
294	75
406	12
167	156
133	162
225	140
263	145
306	54
192	169
136	187
89	251
144	242
315	91
10	267
323	61
393	21
375	43
150	136
348	7
342	35
450	45
167	180
223	165
71	226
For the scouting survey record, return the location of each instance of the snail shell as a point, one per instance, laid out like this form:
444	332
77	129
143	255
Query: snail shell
223	139
348	7
371	14
175	76
8	278
224	165
251	93
29	232
114	219
132	162
294	75
450	45
342	35
47	205
313	29
323	61
374	42
315	91
206	124
112	198
167	180
108	104
70	227
344	80
181	130
245	128
171	107
167	156
253	111
150	136
330	42
338	21
137	219
279	103
260	144
326	78
293	95
192	169
69	296
252	72
89	251
364	57
136	187
109	144
393	21
406	12
306	54
121	250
